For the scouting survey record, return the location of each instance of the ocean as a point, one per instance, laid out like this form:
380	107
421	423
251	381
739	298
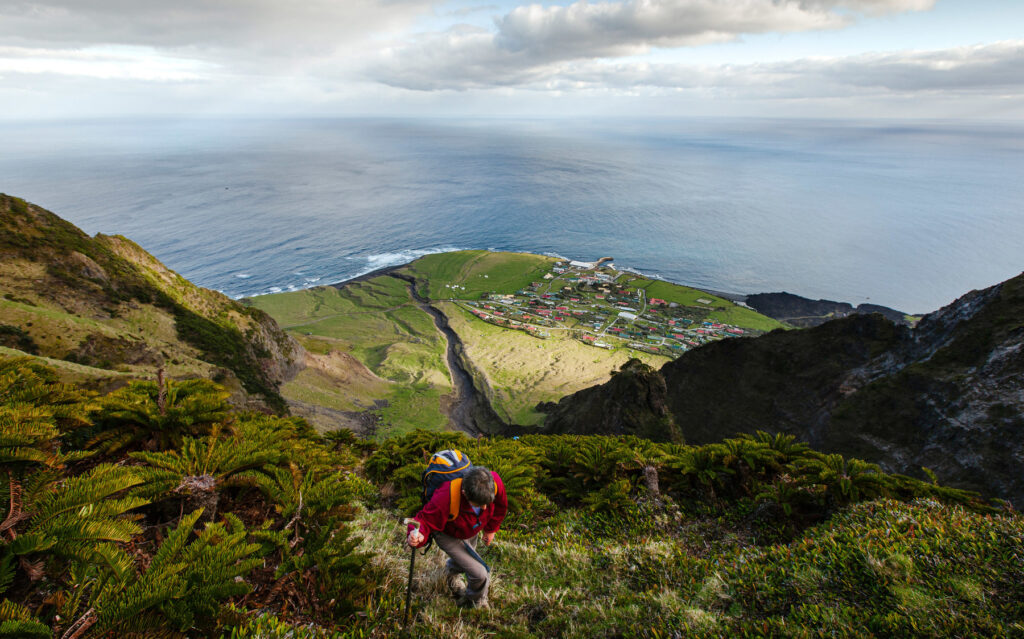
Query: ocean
905	214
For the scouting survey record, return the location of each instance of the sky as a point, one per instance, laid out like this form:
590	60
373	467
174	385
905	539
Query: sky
948	59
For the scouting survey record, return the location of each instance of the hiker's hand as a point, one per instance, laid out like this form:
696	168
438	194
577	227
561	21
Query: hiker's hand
415	537
488	538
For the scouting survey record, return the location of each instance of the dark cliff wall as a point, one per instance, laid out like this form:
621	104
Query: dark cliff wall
948	394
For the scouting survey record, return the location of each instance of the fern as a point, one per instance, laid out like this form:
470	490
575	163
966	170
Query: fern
138	413
16	622
201	467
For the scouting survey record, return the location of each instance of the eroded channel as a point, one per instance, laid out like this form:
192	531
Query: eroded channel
471	410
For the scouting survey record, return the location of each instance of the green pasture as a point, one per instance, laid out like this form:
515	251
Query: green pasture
479	271
378	323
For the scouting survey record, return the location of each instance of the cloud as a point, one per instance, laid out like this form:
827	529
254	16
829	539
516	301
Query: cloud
264	28
988	70
128	63
991	69
529	39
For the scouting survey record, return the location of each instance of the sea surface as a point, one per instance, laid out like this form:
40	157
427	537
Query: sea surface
905	214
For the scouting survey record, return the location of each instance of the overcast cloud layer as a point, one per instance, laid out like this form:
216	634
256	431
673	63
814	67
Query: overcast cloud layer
268	54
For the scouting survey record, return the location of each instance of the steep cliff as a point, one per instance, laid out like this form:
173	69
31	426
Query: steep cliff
947	395
108	305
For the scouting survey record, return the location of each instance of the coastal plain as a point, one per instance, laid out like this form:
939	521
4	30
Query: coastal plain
530	329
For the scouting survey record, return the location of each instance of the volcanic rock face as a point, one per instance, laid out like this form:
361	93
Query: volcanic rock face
947	395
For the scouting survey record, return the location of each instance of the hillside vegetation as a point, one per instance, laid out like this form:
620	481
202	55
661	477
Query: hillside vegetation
157	510
108	305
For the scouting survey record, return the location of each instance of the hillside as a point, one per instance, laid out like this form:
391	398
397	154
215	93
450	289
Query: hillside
138	504
116	313
182	517
525	330
947	395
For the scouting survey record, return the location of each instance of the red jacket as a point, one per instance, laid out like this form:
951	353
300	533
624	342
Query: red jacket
434	515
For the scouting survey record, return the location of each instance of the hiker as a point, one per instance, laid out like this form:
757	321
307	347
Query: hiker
480	510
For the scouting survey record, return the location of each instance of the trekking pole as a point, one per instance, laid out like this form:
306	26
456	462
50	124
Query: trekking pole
412	564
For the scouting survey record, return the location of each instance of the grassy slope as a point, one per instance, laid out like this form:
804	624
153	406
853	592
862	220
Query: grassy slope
880	569
506	272
524	371
775	544
104	302
377	323
57	332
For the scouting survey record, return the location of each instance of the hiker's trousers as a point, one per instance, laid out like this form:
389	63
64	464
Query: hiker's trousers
460	561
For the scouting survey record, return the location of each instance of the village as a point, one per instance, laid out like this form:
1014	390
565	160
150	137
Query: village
596	304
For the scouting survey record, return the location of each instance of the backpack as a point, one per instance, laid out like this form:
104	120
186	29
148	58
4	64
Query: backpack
446	465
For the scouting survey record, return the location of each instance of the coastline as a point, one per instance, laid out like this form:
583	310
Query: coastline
387	270
737	298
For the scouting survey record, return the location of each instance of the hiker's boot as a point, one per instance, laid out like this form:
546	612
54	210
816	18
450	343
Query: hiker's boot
466	602
456	584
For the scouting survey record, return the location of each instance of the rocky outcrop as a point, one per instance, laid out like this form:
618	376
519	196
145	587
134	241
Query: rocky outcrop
947	395
633	402
804	312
